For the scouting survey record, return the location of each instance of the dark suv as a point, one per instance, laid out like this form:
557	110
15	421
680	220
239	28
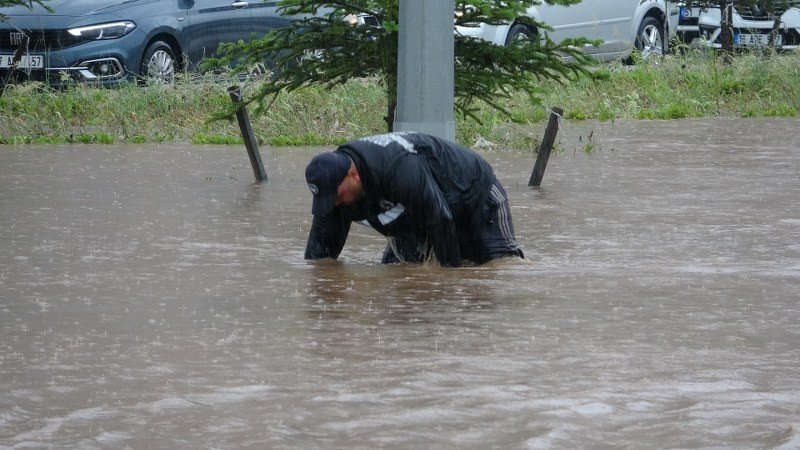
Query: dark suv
111	41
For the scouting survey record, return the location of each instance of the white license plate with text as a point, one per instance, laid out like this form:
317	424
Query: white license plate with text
759	40
26	62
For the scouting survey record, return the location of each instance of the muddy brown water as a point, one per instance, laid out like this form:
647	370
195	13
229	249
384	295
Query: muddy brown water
156	297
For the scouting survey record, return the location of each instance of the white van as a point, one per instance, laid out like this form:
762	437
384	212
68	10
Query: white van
622	25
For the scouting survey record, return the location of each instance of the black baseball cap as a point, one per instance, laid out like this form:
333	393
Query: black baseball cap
324	174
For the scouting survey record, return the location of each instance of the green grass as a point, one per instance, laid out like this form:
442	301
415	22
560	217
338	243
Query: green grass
677	87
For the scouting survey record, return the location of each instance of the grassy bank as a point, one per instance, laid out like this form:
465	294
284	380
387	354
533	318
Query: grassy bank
677	87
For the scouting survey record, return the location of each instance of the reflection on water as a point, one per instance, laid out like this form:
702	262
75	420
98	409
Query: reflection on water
156	297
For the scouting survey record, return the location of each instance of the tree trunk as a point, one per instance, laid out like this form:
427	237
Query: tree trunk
391	100
726	34
390	78
390	115
776	29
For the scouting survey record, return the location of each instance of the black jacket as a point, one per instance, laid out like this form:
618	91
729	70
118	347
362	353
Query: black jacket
413	184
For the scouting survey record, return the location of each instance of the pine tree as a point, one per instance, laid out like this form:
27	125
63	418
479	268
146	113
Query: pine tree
323	47
26	3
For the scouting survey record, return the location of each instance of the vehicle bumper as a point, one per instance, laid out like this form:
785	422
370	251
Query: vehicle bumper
105	62
107	70
495	34
687	29
787	37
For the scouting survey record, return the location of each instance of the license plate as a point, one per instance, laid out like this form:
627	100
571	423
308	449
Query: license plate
757	40
26	62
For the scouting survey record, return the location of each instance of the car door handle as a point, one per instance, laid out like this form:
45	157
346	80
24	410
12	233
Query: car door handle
239	4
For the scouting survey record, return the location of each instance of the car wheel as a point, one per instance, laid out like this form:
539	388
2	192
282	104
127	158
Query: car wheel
159	64
518	32
650	38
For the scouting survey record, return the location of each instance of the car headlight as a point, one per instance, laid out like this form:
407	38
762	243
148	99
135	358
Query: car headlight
111	30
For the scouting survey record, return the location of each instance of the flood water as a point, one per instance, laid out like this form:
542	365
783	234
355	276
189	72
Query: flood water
157	297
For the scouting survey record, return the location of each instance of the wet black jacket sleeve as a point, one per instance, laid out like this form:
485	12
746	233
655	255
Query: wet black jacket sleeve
445	244
328	235
413	185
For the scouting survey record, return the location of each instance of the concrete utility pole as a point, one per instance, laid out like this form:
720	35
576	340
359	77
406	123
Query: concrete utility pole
425	80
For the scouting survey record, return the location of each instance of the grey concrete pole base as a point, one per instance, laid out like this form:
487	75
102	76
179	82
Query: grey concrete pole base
425	75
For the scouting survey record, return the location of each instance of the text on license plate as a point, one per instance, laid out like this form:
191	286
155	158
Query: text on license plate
26	62
756	39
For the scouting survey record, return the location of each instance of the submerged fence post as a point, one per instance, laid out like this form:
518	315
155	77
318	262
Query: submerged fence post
250	141
546	146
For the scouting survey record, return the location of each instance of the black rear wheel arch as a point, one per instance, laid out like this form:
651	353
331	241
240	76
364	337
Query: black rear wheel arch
519	31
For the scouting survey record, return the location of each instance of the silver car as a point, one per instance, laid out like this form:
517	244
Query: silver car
621	25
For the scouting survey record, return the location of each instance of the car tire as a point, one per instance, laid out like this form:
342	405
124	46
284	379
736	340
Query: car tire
650	39
159	64
517	32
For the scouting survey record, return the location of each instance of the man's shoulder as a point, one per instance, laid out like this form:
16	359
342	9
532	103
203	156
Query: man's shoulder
403	140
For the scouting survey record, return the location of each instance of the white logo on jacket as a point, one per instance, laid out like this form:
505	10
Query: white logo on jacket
391	211
385	139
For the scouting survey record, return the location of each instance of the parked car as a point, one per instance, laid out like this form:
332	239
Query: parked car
112	41
688	30
622	25
752	27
